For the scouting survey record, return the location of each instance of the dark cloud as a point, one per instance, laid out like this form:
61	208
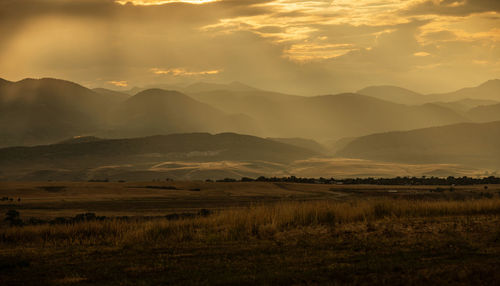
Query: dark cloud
453	7
93	41
16	14
270	29
440	36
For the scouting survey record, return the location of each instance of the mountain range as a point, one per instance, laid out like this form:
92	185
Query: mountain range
44	111
471	96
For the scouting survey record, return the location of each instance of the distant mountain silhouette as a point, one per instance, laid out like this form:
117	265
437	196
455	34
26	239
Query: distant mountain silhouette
134	90
348	115
471	144
302	143
329	117
464	105
489	90
263	106
157	111
49	110
204	87
112	93
34	111
485	113
395	94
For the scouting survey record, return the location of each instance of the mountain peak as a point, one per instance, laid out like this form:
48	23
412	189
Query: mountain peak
4	81
49	82
153	92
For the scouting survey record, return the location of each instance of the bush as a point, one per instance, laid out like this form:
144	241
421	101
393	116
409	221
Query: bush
13	218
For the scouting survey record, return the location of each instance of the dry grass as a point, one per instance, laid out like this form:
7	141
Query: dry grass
253	222
376	241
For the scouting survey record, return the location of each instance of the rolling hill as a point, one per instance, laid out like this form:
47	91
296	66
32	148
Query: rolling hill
347	115
303	143
120	96
157	111
43	111
489	90
328	117
463	106
36	111
395	94
485	113
81	160
470	144
463	98
234	86
49	110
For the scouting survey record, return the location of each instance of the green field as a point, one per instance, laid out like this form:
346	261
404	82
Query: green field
192	233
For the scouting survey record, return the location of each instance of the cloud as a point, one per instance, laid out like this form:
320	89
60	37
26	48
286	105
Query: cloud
184	72
306	47
120	83
309	52
421	54
453	7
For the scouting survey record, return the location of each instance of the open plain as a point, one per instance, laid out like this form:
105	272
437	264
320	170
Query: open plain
164	233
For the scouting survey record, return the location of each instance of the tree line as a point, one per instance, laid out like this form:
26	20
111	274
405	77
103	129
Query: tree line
424	180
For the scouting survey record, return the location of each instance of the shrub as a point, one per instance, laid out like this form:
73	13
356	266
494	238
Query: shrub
13	218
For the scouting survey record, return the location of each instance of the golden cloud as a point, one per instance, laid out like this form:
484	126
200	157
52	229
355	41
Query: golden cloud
421	54
311	51
121	83
183	72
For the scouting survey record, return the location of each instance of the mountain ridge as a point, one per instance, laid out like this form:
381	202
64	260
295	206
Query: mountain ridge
471	144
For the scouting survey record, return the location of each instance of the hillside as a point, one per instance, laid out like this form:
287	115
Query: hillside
328	117
463	106
79	160
234	86
35	111
80	139
120	96
489	90
485	113
464	98
348	115
395	94
157	111
471	144
48	110
303	143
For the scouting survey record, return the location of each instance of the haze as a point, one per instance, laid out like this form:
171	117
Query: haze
298	47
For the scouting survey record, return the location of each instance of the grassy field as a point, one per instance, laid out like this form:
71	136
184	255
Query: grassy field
251	233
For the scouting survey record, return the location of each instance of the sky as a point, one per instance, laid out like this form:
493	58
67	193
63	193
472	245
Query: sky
298	47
